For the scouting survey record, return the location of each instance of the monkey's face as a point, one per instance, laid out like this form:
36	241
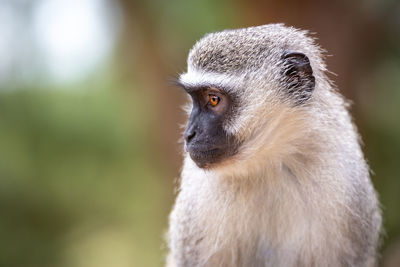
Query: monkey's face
206	141
250	89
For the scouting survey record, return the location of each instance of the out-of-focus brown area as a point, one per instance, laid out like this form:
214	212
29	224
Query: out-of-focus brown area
87	165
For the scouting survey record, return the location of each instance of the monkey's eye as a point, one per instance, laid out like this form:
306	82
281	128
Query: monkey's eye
213	100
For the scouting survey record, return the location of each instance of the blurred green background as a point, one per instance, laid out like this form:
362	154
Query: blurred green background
89	123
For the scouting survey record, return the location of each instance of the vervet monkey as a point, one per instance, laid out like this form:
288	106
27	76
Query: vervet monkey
273	173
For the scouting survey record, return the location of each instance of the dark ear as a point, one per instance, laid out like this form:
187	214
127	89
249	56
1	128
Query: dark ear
299	76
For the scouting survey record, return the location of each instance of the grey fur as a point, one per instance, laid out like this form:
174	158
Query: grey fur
298	191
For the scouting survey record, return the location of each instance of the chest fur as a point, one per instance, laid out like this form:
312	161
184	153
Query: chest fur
249	226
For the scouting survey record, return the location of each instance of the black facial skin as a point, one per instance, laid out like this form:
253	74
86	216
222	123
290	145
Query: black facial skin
205	139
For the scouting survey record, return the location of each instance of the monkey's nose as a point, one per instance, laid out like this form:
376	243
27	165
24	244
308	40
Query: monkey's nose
189	134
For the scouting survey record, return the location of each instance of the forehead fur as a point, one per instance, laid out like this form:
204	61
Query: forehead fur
232	51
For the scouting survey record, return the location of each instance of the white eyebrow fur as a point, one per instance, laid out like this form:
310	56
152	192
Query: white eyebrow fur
194	78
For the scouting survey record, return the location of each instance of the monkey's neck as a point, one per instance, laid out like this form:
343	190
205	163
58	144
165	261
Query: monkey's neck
253	174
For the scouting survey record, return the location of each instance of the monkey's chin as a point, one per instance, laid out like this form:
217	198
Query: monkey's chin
207	159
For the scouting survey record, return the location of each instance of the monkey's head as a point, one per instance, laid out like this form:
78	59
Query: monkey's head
251	90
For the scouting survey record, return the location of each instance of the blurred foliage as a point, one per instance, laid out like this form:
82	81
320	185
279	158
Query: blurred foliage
78	182
381	132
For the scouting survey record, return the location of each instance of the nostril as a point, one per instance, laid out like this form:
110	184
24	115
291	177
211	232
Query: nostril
189	135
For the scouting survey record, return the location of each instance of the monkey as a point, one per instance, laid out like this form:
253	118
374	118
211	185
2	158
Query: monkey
273	171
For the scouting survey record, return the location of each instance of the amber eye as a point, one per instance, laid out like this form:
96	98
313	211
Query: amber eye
213	100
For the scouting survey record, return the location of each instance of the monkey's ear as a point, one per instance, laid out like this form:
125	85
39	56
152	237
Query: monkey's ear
299	74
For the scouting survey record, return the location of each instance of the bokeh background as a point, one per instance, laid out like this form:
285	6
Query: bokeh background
89	123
